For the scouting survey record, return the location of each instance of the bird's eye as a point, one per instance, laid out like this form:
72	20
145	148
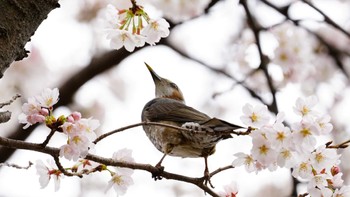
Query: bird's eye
173	85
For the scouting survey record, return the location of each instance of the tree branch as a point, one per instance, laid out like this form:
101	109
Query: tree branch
327	19
54	152
264	60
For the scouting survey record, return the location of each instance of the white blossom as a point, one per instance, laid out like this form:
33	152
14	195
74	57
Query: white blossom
255	117
45	174
120	181
155	30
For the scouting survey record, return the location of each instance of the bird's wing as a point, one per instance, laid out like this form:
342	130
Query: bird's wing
163	109
220	125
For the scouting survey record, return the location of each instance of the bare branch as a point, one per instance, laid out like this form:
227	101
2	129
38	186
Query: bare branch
338	146
48	138
16	165
5	116
264	60
327	19
10	101
221	169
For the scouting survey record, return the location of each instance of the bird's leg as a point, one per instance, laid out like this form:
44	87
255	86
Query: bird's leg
167	150
159	164
157	175
206	173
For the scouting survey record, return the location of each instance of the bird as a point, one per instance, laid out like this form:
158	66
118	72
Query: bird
194	135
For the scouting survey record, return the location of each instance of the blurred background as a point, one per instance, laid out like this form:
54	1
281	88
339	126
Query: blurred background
211	54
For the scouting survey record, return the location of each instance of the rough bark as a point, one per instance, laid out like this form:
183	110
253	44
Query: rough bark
19	19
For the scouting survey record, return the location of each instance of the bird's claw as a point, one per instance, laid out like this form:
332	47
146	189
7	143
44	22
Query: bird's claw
207	179
157	174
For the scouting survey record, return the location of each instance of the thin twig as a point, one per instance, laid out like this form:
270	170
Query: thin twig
220	170
61	168
137	125
16	165
332	51
327	19
48	138
264	60
215	70
10	101
145	123
338	146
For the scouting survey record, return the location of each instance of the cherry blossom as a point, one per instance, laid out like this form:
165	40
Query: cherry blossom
121	179
263	152
230	190
69	152
123	155
280	136
48	98
255	117
38	108
303	169
80	133
323	124
120	38
155	30
344	191
294	147
45	174
322	158
303	107
246	160
304	136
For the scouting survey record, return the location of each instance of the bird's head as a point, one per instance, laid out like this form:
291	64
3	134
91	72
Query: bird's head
165	88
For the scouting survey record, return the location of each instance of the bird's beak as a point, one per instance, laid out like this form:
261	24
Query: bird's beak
156	78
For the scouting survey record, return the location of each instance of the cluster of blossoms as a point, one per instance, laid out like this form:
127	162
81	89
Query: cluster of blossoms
80	131
120	181
38	108
80	134
277	145
294	58
126	27
297	54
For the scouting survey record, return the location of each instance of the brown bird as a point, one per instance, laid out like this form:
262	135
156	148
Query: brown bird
200	134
